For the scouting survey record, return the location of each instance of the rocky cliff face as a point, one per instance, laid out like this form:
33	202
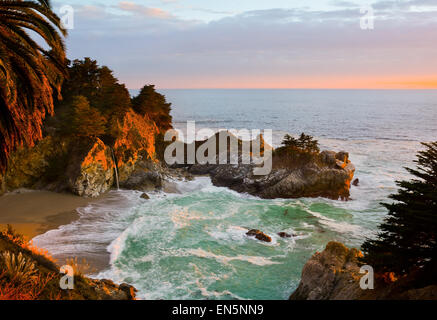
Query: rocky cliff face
84	166
135	142
334	274
331	274
94	174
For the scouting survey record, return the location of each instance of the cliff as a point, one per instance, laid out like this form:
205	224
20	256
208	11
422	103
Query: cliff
84	165
334	274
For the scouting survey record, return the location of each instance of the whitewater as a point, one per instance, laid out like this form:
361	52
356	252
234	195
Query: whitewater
192	244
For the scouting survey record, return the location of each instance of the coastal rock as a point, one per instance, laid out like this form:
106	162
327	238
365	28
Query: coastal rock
107	290
129	290
334	274
331	274
315	178
295	172
86	166
356	182
132	155
284	235
145	196
135	142
147	176
95	174
259	235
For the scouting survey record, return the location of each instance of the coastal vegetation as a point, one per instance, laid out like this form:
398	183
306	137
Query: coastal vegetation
29	273
96	117
296	152
31	72
407	240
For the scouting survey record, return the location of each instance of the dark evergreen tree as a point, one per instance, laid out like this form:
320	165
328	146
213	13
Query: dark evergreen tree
98	85
304	142
408	237
155	105
289	141
87	121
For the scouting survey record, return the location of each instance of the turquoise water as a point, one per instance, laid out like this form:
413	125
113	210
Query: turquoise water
192	245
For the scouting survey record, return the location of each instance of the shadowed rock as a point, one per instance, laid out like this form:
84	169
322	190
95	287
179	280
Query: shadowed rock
284	235
259	235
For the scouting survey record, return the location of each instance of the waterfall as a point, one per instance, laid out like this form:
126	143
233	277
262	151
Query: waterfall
116	169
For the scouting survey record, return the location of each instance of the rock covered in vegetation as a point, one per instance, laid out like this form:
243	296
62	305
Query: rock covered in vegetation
86	166
294	174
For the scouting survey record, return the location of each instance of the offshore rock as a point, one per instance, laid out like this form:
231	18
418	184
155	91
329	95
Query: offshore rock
324	176
145	196
259	235
295	172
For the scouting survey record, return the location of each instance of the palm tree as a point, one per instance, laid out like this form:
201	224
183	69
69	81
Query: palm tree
32	68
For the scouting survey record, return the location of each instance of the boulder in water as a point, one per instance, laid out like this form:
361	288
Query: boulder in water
259	235
284	235
145	196
356	182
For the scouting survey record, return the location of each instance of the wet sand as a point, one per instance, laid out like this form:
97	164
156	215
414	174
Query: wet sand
35	212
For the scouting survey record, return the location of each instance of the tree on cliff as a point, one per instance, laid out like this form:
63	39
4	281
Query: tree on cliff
408	238
98	85
304	142
155	105
86	121
29	73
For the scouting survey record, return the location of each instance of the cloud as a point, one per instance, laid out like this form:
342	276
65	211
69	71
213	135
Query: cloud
264	45
143	10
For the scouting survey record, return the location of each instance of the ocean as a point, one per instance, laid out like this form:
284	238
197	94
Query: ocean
192	245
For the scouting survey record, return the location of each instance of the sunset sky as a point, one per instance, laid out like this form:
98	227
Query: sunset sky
259	43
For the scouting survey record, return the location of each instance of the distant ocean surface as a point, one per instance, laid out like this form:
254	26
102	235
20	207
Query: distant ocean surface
192	245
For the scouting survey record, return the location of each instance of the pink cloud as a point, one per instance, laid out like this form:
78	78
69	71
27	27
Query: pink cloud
143	10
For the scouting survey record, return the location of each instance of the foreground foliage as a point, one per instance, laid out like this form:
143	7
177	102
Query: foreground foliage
30	73
408	237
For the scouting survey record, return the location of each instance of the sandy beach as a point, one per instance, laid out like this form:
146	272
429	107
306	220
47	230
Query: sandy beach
35	212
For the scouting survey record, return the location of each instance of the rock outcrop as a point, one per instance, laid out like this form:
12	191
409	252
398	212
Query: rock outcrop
94	175
331	274
334	274
135	142
313	179
294	174
86	166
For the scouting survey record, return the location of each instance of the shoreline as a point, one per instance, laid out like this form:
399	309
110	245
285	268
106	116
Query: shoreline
34	212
